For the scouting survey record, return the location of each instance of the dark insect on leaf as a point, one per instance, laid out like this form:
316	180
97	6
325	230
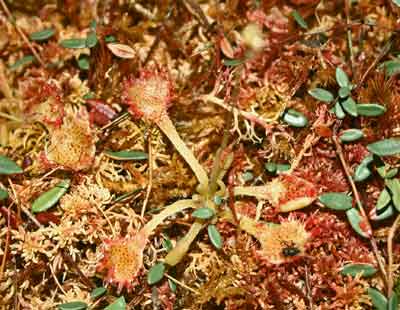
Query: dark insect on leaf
290	251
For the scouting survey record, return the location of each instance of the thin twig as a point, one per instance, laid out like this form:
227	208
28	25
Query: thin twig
7	244
181	284
349	39
21	33
56	280
390	238
150	184
308	289
372	240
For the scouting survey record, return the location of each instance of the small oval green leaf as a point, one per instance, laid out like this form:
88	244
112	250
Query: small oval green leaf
203	213
350	106
383	215
22	62
3	194
51	197
370	109
156	273
42	35
394	186
361	173
299	19
336	201
167	244
233	62
73	43
321	94
215	236
366	270
344	92
282	168
118	304
393	302
127	155
387	173
271	167
83	63
110	39
385	147
339	111
391	67
351	135
74	305
341	78
355	220
7	166
91	39
172	285
295	118
378	299
98	292
383	199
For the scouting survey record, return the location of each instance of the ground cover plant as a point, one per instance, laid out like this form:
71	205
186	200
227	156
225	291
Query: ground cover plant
199	154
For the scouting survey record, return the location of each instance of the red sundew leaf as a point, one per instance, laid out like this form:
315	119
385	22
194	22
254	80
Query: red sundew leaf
101	114
47	217
121	50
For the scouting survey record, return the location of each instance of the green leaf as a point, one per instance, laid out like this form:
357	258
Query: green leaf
299	19
394	186
385	214
344	92
156	273
89	95
370	109
350	106
215	236
98	292
247	176
387	173
271	167
295	118
119	304
110	39
361	173
3	194
367	160
321	94
383	199
42	35
355	220
233	62
341	78
282	168
393	302
93	25
217	200
91	39
172	285
83	63
203	213
127	155
7	166
351	135
167	244
378	299
385	147
74	305
339	111
48	199
366	270
22	62
73	43
391	67
336	201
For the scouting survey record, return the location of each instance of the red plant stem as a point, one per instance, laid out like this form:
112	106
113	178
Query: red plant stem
372	240
392	232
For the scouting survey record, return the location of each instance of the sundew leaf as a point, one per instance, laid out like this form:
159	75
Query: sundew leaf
299	19
51	197
295	118
73	43
98	292
370	109
341	78
156	273
22	62
393	302
394	186
385	147
379	300
7	166
366	270
118	304
383	199
336	201
321	94
203	213
355	220
3	194
350	106
127	155
42	35
74	305
215	236
351	135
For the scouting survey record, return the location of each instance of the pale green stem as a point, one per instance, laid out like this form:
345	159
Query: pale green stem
168	128
260	192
